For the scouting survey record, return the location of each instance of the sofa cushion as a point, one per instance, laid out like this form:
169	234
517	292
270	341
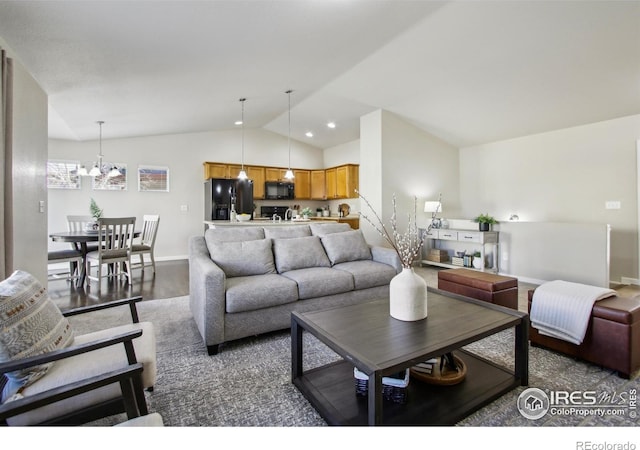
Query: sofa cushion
346	246
90	364
30	324
321	229
239	259
259	291
299	253
320	281
368	273
233	234
286	232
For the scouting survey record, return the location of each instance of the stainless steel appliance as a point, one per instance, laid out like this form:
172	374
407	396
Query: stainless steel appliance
278	190
221	194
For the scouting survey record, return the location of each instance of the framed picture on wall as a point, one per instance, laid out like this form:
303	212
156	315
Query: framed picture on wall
153	178
106	181
63	174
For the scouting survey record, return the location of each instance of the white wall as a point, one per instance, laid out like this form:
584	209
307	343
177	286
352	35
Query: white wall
184	155
561	176
29	166
399	158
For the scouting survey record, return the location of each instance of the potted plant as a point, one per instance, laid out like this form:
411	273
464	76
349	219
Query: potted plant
307	212
485	221
96	213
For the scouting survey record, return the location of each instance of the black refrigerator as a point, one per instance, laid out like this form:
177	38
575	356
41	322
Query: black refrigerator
221	193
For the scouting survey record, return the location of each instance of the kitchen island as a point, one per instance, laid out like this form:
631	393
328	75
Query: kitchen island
352	219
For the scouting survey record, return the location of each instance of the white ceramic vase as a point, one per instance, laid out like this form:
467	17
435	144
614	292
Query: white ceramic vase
408	296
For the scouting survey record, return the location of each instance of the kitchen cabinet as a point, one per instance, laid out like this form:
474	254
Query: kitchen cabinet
321	184
302	182
318	188
257	175
342	181
215	170
274	174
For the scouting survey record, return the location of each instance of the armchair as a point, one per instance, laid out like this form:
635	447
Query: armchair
99	374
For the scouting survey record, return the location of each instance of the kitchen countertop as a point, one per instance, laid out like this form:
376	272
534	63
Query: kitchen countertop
263	222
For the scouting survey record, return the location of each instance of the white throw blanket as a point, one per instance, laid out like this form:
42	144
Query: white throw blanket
562	309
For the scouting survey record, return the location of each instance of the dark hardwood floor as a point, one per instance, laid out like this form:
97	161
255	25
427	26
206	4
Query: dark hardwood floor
170	280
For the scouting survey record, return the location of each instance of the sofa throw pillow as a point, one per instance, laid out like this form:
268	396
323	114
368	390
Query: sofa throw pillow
30	324
346	246
321	229
243	258
292	231
299	253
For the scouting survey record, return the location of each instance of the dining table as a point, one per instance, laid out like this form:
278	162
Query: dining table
80	240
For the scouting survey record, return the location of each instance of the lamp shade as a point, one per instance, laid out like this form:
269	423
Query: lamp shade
431	207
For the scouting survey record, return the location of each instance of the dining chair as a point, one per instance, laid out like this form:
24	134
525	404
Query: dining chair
115	236
71	256
77	223
147	241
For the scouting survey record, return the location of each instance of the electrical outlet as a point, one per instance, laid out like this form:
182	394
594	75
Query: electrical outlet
612	204
41	206
184	208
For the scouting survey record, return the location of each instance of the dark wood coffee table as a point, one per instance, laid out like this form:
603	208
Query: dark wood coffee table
367	337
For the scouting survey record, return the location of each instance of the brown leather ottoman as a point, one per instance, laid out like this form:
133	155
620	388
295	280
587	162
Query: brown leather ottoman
612	339
485	286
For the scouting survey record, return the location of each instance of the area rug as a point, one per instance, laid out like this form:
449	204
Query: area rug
249	382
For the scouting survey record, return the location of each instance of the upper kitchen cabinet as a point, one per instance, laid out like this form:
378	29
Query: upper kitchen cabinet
274	174
257	175
302	183
318	188
342	181
215	170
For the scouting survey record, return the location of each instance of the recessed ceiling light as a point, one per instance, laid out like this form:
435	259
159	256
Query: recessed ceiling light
238	122
331	124
309	134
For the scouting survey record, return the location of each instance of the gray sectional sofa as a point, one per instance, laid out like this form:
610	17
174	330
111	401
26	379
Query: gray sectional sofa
246	281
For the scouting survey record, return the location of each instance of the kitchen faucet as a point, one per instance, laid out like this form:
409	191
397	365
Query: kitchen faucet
288	215
276	218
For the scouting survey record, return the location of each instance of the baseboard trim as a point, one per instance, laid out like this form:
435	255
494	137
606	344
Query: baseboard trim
627	280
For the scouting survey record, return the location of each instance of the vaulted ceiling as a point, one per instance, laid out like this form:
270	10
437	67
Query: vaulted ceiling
469	72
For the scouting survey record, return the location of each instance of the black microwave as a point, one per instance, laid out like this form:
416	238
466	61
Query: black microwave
278	190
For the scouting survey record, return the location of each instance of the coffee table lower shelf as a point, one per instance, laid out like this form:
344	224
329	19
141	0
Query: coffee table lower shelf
331	390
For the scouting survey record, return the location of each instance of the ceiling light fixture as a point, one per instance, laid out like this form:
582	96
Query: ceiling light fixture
242	175
289	174
98	168
308	134
331	125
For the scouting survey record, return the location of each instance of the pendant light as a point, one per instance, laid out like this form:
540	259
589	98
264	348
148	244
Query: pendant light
97	168
289	174
242	175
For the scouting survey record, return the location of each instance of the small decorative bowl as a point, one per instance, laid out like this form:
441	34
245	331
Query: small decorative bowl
244	217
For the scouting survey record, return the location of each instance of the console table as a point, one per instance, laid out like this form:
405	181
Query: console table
453	240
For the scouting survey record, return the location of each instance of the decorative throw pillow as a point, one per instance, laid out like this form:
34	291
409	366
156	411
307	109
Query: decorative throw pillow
299	253
346	246
243	258
30	324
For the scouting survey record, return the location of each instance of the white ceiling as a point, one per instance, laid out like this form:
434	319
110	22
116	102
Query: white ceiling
468	72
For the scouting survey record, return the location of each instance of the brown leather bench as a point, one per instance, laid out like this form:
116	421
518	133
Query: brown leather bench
485	286
612	339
